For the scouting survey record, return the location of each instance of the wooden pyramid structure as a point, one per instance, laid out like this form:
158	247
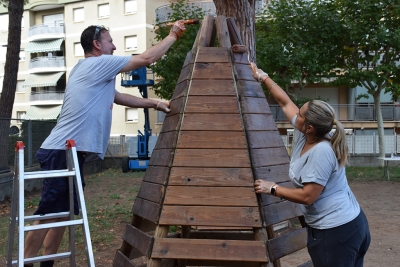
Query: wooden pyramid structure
218	138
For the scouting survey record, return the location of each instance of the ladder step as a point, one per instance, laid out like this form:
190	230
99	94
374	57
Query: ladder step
48	174
43	258
53	225
46	216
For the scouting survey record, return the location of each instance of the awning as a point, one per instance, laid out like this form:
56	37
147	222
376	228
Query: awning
42	112
42	79
44	46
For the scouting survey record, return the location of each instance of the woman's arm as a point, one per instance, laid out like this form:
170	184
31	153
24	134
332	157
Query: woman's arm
280	96
306	195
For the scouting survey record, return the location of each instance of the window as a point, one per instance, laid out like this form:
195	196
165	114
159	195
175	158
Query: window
20	116
104	11
3	52
22	23
79	14
131	42
130	6
22	55
20	89
131	115
53	20
4	22
160	116
78	50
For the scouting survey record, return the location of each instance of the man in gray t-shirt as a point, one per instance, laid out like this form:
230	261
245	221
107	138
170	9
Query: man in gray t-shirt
86	118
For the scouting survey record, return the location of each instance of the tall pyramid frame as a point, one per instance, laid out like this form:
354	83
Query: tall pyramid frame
218	138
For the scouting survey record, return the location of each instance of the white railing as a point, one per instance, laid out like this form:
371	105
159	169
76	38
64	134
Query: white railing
46	95
47	62
49	28
348	112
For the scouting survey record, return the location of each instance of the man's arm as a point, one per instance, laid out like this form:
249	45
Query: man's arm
137	102
154	53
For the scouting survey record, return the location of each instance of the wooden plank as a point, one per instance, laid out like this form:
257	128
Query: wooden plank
151	192
138	239
186	73
213	263
240	58
201	249
161	157
250	88
269	156
212	71
211	196
171	123
206	29
277	173
211	176
161	232
190	56
212	87
210	216
167	140
234	33
281	211
212	104
212	55
260	122
181	89
238	158
146	209
156	174
122	260
222	31
264	139
286	244
212	122
177	105
211	139
244	71
255	105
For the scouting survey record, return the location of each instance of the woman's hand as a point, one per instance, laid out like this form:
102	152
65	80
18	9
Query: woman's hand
258	74
261	186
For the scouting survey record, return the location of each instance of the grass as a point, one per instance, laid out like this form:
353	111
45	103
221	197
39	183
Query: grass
109	197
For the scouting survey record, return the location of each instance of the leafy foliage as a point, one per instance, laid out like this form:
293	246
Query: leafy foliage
298	41
169	66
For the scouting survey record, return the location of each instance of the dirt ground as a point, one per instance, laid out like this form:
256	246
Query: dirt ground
379	200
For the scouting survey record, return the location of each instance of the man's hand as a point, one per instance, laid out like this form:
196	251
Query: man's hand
163	106
177	29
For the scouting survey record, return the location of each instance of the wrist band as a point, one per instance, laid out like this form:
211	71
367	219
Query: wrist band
260	77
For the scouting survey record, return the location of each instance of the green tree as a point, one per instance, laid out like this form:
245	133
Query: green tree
371	53
15	11
169	66
298	41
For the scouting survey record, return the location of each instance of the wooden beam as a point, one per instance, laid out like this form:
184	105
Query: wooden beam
203	249
222	31
283	245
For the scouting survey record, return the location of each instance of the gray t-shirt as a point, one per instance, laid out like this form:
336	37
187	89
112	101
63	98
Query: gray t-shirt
336	205
86	113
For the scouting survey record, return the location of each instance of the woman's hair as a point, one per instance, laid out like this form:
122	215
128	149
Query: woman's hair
321	116
90	34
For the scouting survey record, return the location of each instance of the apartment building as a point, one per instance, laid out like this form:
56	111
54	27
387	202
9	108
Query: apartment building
50	48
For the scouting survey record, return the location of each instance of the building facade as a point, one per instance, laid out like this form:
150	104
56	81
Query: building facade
50	48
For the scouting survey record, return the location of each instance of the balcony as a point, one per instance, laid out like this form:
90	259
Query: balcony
47	64
46	31
352	113
47	95
163	12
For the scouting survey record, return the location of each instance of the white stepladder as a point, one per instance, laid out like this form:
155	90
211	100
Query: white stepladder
17	204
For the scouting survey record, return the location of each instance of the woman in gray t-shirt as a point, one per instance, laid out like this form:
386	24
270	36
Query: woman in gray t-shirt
338	231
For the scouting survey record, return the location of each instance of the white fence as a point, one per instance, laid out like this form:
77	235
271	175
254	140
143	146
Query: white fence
362	145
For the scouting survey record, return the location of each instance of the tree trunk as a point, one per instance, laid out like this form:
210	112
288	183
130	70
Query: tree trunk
15	11
243	13
379	119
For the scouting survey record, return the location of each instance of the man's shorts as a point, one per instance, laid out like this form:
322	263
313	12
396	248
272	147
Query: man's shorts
55	191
